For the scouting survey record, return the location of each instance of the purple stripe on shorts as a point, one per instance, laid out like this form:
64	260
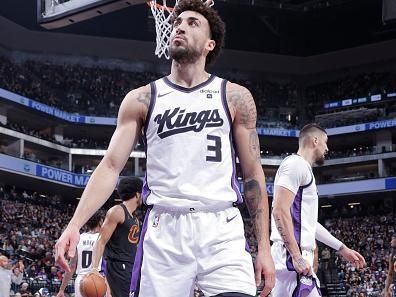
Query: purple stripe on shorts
137	265
305	285
296	218
146	190
247	247
103	267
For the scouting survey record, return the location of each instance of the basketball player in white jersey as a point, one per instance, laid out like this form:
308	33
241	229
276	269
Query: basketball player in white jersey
194	124
294	219
81	263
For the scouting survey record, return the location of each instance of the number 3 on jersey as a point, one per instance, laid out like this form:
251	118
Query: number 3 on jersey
214	145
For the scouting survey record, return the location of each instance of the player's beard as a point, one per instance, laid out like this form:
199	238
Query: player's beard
183	55
320	160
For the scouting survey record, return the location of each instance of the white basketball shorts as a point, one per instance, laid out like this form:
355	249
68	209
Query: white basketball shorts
288	282
180	249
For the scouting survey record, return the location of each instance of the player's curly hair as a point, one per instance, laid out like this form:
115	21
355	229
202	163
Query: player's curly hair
216	24
94	221
128	187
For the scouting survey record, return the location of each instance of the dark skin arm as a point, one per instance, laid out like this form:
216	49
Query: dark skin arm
114	216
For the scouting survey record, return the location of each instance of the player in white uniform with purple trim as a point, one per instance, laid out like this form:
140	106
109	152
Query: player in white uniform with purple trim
193	123
81	263
294	219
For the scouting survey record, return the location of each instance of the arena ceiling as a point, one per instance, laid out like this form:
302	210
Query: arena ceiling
290	27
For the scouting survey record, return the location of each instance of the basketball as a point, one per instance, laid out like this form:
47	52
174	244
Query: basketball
93	285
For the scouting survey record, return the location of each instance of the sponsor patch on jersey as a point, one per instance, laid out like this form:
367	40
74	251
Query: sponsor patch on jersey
209	91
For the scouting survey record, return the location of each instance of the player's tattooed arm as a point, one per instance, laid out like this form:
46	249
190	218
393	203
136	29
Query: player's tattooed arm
139	101
283	201
144	97
252	200
283	220
242	106
281	230
284	225
244	115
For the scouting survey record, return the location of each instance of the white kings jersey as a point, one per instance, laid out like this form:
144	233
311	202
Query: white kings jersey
189	146
295	174
84	252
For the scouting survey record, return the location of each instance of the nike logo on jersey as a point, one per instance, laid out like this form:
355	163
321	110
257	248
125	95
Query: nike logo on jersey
164	94
230	219
178	121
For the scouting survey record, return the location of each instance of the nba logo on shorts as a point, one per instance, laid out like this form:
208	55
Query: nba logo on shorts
306	281
155	224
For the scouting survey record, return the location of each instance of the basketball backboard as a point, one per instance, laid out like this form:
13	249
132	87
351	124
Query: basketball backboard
52	14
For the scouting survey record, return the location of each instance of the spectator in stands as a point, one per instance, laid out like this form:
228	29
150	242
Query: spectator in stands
54	274
17	275
97	91
5	276
390	286
355	230
25	292
325	257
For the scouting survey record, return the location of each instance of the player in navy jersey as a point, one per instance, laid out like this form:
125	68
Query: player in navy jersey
195	125
119	237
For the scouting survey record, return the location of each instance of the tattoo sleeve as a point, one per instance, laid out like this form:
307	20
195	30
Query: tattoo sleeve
284	225
144	97
242	100
281	230
252	199
254	146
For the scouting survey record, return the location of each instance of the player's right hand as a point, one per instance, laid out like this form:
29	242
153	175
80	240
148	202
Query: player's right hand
65	247
302	266
95	271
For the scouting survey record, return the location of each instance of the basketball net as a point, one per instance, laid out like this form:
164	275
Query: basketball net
162	14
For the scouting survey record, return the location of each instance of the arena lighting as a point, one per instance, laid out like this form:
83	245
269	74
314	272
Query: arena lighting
42	195
78	198
353	203
117	200
326	206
